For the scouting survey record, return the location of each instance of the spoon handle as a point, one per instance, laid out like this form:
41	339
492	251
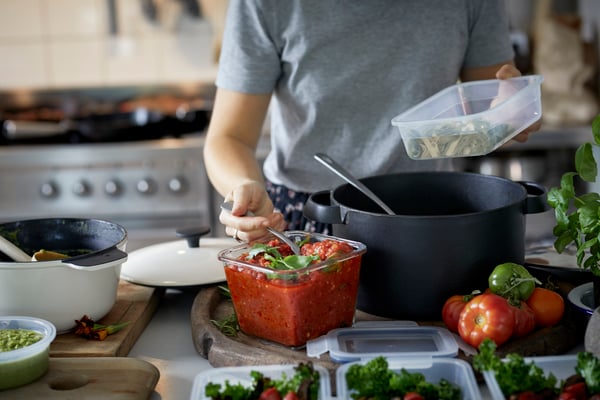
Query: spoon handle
345	175
228	206
8	248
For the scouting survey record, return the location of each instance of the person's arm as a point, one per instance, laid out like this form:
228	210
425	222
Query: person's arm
229	157
499	71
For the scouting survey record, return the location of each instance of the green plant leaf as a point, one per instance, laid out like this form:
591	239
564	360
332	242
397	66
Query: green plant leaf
585	164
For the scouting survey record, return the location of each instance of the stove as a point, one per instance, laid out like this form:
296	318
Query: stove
150	186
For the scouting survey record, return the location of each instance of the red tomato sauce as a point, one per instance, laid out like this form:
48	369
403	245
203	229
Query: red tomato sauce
291	312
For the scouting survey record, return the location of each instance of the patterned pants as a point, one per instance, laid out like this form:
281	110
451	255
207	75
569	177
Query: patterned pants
291	205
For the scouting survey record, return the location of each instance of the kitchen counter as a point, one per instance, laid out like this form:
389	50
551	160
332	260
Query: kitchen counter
167	343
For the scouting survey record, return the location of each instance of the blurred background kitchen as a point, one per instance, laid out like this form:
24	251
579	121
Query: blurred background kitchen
104	105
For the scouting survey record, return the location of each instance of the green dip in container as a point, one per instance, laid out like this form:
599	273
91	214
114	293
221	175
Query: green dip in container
24	350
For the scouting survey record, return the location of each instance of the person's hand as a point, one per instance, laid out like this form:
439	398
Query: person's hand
250	197
510	71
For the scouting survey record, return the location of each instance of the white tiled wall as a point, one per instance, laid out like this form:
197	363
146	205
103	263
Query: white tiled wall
68	43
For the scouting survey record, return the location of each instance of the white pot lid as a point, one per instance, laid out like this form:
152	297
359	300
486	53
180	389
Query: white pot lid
174	264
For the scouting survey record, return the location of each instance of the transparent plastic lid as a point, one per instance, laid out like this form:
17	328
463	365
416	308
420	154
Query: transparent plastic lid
403	339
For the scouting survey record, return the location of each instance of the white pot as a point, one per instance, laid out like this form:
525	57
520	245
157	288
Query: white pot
63	291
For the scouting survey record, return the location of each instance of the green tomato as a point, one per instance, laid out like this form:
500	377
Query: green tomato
512	281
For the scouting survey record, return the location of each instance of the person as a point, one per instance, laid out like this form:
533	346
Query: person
332	75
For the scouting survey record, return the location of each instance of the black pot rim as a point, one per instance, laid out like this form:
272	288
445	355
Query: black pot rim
348	209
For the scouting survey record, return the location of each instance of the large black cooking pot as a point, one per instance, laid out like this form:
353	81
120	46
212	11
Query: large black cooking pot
450	230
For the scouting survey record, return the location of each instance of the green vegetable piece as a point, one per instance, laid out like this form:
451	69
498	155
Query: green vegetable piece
374	380
512	281
588	366
513	375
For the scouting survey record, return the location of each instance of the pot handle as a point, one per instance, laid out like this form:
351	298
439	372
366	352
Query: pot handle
97	260
318	207
536	201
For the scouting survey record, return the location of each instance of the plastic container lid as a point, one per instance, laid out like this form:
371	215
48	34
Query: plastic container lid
392	339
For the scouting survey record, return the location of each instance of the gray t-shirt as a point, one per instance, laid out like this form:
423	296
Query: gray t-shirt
341	70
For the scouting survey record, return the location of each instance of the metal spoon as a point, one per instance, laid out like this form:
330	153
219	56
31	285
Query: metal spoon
344	174
228	206
9	248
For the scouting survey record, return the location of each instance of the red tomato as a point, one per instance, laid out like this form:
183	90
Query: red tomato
413	396
291	396
547	305
577	390
524	320
270	394
486	316
452	309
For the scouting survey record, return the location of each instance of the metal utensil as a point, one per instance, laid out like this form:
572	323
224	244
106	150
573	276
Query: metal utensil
228	206
348	177
9	248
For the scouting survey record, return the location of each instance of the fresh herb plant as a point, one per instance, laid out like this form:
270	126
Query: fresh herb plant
578	216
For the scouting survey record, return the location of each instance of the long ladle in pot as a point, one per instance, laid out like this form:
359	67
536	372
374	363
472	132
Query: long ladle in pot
228	206
344	174
11	250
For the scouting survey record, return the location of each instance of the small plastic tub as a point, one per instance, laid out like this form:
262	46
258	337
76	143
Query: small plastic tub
290	307
241	375
470	119
26	364
560	366
455	371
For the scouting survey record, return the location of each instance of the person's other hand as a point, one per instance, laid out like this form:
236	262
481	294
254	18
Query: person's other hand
250	197
510	71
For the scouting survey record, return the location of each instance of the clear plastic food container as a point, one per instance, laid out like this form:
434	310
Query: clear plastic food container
25	364
455	371
560	366
428	350
470	119
241	375
291	306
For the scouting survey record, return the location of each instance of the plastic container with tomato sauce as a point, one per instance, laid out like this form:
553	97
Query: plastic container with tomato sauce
293	306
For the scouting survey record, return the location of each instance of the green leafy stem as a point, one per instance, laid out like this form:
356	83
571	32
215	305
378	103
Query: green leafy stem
578	216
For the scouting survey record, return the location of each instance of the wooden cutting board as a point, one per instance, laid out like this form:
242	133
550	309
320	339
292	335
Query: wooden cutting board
106	378
135	303
221	350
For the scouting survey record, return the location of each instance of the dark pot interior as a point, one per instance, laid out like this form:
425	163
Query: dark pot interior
69	236
433	194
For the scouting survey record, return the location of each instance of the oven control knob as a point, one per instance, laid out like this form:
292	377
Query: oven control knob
146	186
49	190
82	188
113	187
178	185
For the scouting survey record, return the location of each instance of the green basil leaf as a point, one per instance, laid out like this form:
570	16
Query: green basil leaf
585	164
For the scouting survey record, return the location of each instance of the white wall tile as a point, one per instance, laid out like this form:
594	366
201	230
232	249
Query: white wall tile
186	57
132	60
22	66
78	63
20	19
76	17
